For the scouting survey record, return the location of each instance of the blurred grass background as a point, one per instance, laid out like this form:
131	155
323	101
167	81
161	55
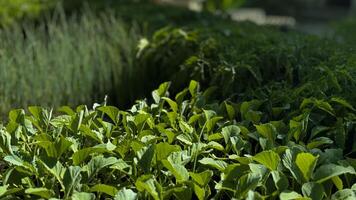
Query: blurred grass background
65	60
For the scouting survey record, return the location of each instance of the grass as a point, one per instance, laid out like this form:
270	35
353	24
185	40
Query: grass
72	60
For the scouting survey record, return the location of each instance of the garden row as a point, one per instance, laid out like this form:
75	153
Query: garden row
181	147
249	112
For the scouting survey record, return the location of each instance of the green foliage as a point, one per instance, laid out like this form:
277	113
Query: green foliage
12	10
242	61
266	114
216	5
192	149
344	31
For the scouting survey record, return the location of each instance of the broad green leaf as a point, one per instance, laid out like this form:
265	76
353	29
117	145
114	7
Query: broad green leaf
103	188
331	156
95	135
238	144
306	163
250	105
216	146
230	131
270	159
346	194
55	168
121	165
168	133
180	157
83	196
318	142
185	138
17	161
232	173
125	194
98	163
178	192
161	91
267	131
17	116
179	171
343	102
76	121
5	142
298	126
193	88
210	124
110	111
288	161
172	104
290	195
246	183
71	179
36	111
81	155
321	104
149	185
199	192
261	171
202	178
146	158
318	130
313	190
41	192
180	96
66	109
253	116
62	146
326	172
230	110
248	110
185	127
164	149
280	180
353	187
3	189
252	195
55	149
218	164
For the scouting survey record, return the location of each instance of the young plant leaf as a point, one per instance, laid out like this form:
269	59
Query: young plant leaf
313	190
125	194
103	188
306	163
270	159
328	171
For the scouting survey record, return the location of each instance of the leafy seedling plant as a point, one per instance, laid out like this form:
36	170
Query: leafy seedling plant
185	147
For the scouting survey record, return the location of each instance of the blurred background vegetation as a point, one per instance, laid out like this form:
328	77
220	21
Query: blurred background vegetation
56	52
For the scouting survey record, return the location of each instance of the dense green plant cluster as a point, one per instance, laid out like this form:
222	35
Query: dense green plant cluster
247	61
72	60
270	115
182	148
12	10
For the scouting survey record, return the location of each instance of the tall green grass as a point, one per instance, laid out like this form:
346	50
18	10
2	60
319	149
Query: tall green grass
66	60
